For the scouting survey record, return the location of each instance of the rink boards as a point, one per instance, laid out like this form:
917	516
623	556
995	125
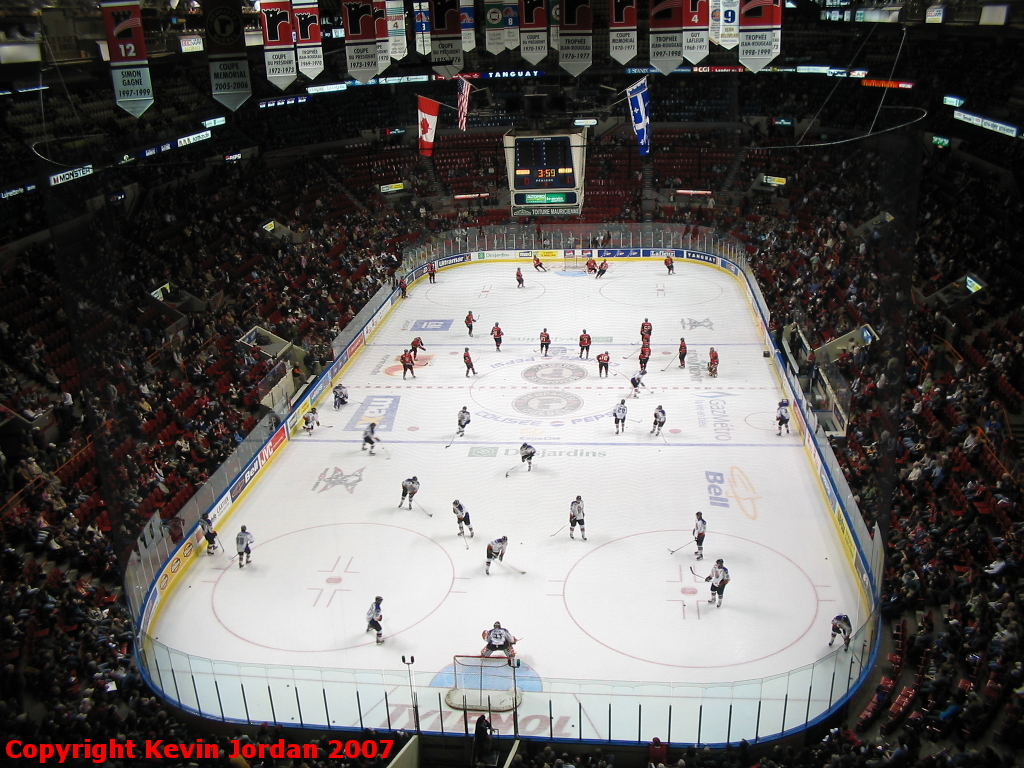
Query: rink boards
619	578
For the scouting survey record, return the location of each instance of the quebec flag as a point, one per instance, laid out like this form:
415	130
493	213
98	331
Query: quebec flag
639	107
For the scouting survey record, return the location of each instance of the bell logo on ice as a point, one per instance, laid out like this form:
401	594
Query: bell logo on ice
379	409
431	325
736	487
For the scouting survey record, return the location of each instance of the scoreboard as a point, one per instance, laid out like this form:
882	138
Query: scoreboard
545	172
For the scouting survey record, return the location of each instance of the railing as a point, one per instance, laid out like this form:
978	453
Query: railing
605	710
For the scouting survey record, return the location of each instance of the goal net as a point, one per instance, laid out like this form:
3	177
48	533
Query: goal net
482	683
571	262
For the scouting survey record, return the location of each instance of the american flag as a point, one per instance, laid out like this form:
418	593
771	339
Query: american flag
463	102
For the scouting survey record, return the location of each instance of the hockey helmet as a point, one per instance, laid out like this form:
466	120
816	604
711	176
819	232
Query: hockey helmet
497	625
378	599
373	424
699	514
455	503
719	561
205	515
579	498
415	479
504	538
243	529
783	402
584	330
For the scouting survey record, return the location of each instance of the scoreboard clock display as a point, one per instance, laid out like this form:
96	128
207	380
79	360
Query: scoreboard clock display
542	163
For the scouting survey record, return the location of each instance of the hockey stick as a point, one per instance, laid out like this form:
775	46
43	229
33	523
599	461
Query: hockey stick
387	454
508	565
673	551
421	507
559	530
507	473
670	362
452	440
626	357
695	573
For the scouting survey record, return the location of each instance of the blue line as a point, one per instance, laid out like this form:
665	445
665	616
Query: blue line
542	444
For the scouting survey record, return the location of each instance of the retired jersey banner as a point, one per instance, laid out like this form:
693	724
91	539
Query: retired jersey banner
467	20
382	33
445	37
306	27
760	33
666	36
576	36
129	67
421	27
511	16
622	30
695	30
360	40
278	48
533	30
225	48
729	37
715	21
398	45
494	24
556	15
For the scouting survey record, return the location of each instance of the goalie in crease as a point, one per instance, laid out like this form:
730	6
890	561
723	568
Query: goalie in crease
499	639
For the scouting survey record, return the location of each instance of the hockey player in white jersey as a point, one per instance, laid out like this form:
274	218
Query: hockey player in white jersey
636	382
700	529
462	516
374	616
782	416
208	533
526	453
841	626
619	412
463	420
310	419
243	540
576	518
340	396
499	639
718	577
369	438
659	420
496	549
409	488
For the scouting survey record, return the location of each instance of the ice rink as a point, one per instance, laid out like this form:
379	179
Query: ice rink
595	618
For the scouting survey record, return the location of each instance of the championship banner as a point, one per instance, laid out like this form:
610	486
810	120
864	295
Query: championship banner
129	67
445	37
382	34
225	48
666	37
715	21
306	27
556	16
278	48
760	33
467	18
622	31
729	37
576	36
695	30
533	30
494	24
396	29
360	40
427	122
511	14
421	28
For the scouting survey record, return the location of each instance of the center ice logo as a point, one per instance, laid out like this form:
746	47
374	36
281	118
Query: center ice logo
548	404
554	373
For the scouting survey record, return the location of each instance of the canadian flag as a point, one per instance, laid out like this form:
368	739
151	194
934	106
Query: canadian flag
428	109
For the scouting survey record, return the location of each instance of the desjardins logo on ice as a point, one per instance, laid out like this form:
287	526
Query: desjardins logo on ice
489	452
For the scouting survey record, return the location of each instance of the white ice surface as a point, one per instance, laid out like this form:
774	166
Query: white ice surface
617	607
